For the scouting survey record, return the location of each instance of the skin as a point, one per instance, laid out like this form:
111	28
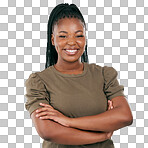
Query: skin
115	118
52	125
55	132
69	33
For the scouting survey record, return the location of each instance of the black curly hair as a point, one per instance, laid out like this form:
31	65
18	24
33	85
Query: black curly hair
61	11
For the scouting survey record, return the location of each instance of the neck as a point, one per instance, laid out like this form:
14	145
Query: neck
67	66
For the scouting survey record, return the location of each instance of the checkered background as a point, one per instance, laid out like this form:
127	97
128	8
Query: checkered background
117	36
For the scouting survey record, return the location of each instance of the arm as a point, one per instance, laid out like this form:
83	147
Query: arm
52	131
111	120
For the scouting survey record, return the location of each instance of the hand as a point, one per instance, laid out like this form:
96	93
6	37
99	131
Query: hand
48	112
109	134
110	105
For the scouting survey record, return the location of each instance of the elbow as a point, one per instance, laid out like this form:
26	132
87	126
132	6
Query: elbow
48	136
45	136
128	120
44	128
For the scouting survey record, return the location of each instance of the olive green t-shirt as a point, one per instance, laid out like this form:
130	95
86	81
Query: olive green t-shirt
74	95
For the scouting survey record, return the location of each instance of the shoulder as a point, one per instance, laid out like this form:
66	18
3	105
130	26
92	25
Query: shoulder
35	77
109	71
103	69
40	74
46	73
34	82
94	66
32	78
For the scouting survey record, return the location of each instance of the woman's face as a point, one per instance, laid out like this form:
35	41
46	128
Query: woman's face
69	39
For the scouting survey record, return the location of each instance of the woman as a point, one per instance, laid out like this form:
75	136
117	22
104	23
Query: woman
73	103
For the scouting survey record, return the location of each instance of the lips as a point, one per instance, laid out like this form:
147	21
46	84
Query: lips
71	51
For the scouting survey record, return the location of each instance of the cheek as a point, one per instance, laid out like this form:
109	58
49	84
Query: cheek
60	43
81	42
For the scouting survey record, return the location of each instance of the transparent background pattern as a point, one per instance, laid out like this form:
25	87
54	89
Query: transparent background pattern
117	33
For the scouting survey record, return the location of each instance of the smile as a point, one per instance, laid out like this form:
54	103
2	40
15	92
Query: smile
71	52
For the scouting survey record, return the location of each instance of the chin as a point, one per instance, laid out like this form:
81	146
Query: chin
71	60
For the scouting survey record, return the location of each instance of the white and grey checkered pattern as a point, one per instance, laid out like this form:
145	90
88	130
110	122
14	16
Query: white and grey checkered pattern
117	36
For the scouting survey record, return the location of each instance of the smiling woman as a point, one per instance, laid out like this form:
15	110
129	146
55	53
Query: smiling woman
74	104
61	13
69	40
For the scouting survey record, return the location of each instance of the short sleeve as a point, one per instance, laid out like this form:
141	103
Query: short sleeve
35	93
112	88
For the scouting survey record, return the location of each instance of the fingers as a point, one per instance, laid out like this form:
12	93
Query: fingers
44	109
46	105
46	117
43	114
46	112
110	105
109	134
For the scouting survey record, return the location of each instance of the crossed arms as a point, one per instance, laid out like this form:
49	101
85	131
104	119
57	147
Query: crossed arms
51	125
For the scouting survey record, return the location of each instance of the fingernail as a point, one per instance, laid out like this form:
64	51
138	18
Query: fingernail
37	115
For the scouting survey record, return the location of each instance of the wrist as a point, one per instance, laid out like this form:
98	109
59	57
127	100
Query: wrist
71	122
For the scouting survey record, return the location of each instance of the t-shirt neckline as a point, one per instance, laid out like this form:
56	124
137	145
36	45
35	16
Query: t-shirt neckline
71	75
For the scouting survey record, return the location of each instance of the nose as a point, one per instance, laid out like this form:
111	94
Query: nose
71	41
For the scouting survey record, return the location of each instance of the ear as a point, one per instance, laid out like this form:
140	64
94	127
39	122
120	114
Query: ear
52	39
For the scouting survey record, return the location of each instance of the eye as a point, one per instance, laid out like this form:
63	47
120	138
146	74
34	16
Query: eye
62	36
79	36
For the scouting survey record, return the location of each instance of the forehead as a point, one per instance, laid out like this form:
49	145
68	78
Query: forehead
67	24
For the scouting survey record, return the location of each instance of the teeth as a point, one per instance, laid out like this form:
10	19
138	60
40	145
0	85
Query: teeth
71	50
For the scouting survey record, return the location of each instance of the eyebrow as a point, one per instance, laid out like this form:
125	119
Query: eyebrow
67	32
